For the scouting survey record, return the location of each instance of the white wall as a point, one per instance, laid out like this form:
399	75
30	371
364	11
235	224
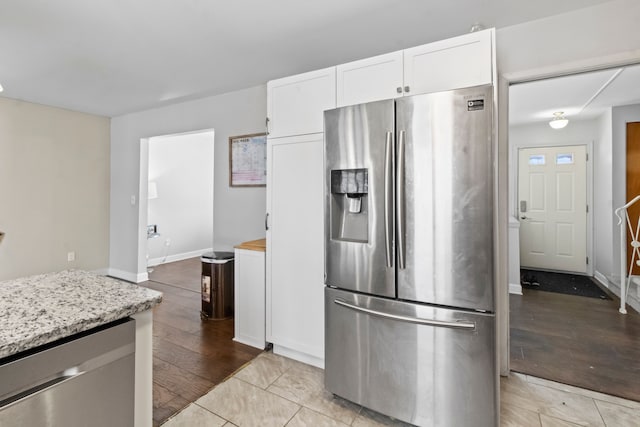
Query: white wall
620	117
182	168
54	189
604	34
238	212
603	198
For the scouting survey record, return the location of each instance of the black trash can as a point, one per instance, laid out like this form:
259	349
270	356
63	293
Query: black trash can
217	285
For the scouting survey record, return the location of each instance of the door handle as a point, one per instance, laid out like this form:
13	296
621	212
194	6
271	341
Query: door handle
388	198
400	201
457	324
524	217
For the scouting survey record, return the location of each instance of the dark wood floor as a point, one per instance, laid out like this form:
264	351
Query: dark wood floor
576	340
190	355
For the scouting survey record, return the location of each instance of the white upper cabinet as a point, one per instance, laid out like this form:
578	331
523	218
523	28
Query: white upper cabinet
296	104
370	79
454	63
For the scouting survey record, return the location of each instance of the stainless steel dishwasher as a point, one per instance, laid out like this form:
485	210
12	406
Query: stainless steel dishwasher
84	380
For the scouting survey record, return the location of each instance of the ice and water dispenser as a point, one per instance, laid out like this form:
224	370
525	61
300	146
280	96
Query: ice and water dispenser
349	205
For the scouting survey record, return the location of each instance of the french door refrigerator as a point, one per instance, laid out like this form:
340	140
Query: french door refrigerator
409	301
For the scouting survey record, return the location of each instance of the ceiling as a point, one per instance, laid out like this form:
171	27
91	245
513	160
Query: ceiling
580	96
111	57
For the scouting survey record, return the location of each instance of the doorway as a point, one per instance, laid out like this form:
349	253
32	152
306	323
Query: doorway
552	208
633	184
176	197
576	340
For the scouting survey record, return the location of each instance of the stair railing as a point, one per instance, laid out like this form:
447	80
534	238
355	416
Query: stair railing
625	223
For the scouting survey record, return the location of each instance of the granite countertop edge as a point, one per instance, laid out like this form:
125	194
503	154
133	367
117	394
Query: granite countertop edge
17	336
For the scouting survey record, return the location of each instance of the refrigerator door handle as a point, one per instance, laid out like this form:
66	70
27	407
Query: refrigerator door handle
400	220
469	326
388	198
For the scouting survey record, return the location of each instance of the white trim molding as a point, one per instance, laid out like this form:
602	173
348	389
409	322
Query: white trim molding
514	256
128	276
515	288
633	298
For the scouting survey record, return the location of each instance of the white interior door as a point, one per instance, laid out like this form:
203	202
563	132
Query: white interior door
552	206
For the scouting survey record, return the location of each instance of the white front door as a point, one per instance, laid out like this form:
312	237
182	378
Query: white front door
552	207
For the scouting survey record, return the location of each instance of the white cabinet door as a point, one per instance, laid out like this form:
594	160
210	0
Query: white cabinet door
295	104
249	290
454	63
295	252
370	79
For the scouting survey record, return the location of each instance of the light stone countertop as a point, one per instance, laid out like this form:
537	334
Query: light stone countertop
40	309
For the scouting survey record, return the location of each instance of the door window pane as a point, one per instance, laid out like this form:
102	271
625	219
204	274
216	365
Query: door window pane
564	159
536	159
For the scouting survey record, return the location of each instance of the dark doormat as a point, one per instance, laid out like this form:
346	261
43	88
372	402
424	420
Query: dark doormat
561	283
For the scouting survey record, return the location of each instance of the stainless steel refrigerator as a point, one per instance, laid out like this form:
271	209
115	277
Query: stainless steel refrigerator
409	301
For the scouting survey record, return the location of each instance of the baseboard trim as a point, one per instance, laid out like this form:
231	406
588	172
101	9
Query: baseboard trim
129	277
601	278
178	257
515	288
633	301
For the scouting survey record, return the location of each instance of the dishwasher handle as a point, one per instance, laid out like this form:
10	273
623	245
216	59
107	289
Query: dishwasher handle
63	377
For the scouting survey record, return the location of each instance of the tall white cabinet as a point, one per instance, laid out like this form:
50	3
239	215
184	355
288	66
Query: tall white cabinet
295	254
295	172
295	186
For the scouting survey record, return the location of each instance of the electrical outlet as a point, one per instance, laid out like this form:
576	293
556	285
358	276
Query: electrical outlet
71	256
167	242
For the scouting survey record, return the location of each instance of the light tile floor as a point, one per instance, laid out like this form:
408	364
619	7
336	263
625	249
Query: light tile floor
276	391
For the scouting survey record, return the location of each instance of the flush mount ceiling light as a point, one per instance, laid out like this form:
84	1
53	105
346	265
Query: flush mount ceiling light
559	120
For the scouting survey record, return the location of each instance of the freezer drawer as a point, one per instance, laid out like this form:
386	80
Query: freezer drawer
424	365
86	380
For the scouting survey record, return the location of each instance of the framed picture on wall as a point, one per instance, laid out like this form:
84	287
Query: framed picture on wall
248	160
